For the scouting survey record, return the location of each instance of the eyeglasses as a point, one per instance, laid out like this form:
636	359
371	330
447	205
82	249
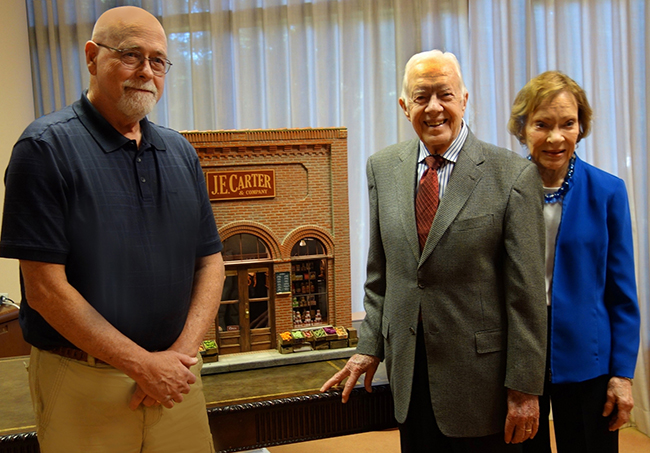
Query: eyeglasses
133	59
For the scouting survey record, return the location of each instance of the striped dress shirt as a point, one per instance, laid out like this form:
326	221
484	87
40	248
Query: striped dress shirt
450	156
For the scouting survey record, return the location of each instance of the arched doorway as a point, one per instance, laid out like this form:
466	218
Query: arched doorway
246	316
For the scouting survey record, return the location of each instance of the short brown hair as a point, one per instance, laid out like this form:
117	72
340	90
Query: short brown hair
544	88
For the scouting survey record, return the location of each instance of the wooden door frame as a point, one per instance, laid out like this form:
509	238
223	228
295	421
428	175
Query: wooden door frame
242	269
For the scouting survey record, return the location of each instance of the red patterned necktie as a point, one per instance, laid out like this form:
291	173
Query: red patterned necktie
426	202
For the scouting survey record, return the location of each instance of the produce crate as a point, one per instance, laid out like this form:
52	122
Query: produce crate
341	333
298	336
302	347
319	335
284	349
209	351
330	333
283	340
337	344
309	336
320	345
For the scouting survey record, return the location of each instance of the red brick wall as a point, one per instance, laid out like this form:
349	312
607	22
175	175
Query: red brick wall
311	199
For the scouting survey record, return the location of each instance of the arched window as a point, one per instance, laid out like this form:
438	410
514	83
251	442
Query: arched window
308	247
244	246
309	283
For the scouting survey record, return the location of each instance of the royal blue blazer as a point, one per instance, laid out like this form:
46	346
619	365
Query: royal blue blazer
594	309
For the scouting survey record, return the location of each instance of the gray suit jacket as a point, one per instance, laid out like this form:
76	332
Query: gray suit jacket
479	283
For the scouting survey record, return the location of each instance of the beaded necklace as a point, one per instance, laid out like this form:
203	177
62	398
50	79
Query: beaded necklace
559	194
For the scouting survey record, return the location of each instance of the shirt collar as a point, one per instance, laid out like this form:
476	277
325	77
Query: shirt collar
454	149
108	138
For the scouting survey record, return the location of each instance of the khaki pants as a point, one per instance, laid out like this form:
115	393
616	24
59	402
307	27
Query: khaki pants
84	408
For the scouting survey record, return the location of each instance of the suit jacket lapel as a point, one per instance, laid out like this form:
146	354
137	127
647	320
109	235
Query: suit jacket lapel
463	180
405	173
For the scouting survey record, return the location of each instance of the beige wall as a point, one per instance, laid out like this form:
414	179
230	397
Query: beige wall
16	107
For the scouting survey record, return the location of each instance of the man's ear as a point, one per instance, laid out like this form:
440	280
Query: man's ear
465	99
91	50
405	109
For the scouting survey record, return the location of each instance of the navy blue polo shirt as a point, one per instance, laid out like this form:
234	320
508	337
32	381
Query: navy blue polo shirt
127	223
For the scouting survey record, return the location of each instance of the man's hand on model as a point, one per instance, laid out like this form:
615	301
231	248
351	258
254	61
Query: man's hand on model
354	368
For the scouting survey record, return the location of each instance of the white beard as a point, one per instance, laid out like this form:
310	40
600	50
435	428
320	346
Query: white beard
137	104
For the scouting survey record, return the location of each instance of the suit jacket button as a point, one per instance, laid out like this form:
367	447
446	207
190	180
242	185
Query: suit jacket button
412	330
421	285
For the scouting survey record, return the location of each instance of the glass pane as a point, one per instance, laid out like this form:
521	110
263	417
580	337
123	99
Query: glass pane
230	288
244	247
259	312
258	289
229	317
229	310
308	246
252	247
257	286
232	248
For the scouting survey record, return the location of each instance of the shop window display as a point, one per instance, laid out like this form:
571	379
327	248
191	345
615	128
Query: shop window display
309	283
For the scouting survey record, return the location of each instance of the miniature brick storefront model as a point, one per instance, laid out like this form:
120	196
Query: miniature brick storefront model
280	199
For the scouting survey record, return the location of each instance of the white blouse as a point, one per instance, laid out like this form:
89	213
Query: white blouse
552	217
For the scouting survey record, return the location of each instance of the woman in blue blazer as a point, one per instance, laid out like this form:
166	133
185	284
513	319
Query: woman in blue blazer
591	291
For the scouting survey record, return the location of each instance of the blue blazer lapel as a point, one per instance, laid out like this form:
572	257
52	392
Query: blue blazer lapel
464	178
405	175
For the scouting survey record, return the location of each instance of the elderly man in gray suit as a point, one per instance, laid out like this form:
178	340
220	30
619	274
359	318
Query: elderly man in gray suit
456	308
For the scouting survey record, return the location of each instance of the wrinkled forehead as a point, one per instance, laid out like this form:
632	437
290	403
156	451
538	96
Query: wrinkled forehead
142	39
435	71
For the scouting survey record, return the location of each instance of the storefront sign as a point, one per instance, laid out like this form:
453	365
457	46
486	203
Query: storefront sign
236	185
282	283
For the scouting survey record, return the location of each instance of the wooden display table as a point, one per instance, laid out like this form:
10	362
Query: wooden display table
246	409
11	336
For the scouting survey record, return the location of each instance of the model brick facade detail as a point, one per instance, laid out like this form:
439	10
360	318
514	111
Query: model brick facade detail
311	200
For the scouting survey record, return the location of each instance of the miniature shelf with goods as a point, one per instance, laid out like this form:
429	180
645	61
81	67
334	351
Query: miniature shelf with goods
309	293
